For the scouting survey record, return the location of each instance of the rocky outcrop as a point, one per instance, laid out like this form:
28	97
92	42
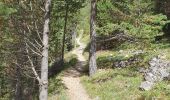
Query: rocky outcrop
125	63
135	59
159	70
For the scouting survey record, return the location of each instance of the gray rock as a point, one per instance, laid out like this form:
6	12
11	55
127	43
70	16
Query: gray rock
153	62
137	52
97	98
150	77
125	63
146	85
159	69
142	70
164	73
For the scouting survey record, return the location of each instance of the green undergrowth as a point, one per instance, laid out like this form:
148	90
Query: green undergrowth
70	60
122	84
69	56
105	59
86	39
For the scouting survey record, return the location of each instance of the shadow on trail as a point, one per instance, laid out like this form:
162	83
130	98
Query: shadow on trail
75	67
77	70
72	66
59	66
55	69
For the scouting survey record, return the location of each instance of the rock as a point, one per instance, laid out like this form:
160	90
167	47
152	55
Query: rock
120	51
153	62
97	98
159	70
125	63
146	85
164	73
167	78
137	52
142	70
150	77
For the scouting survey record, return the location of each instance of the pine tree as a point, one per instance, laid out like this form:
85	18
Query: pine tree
92	52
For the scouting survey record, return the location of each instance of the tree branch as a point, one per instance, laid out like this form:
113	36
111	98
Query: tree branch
32	66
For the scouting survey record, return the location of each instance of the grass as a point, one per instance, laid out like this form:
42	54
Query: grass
105	59
122	84
86	39
69	56
116	84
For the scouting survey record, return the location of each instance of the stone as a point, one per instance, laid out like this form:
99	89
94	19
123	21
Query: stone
97	98
120	51
142	70
137	52
153	62
146	85
125	63
150	77
164	73
159	70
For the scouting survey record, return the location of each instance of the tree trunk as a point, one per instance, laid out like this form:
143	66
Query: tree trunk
65	30
73	37
44	63
92	52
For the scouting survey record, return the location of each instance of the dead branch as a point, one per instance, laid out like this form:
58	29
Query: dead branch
32	66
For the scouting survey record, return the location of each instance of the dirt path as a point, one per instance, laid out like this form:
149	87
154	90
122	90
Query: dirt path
71	78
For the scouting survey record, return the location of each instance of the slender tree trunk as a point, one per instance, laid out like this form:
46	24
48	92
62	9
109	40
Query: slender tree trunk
44	63
65	30
73	34
92	52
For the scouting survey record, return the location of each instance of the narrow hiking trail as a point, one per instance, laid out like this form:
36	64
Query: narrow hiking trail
71	78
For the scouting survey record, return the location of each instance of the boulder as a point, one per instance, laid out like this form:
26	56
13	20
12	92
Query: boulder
159	70
146	85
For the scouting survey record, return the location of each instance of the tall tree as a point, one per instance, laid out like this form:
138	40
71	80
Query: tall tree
44	63
65	31
92	52
71	7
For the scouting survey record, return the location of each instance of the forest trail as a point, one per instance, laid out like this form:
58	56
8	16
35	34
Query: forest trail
71	78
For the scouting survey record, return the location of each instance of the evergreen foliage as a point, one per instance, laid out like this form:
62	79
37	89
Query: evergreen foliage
21	25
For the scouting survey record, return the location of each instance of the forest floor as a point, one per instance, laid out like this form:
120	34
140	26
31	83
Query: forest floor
71	78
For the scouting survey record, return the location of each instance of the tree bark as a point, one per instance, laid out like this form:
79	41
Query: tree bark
65	30
92	52
73	37
44	63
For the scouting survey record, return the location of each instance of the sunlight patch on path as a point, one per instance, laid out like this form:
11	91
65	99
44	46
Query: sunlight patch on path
71	79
